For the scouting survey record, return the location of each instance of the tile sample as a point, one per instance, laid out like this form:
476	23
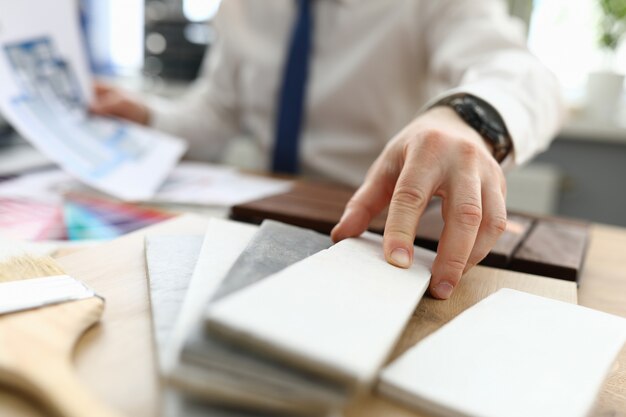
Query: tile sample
274	247
170	261
217	369
337	313
223	243
513	354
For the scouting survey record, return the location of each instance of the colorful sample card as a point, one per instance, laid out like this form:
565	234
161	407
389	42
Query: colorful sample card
89	218
31	220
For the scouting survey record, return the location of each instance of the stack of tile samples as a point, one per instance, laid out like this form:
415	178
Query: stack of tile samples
332	313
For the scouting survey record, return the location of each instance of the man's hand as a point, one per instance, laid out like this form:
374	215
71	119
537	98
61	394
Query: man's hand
110	101
438	154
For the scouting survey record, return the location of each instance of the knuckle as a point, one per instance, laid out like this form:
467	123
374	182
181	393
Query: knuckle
409	198
434	141
469	214
468	150
496	223
434	134
400	233
455	265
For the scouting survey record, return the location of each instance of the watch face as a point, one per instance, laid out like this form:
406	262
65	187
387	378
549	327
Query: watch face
484	119
495	126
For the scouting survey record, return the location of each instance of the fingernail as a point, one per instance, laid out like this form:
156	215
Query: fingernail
443	290
400	257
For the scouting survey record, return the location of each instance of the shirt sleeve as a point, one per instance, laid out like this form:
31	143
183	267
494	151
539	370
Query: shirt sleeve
475	47
207	114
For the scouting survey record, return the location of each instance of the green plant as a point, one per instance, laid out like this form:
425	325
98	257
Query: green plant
613	23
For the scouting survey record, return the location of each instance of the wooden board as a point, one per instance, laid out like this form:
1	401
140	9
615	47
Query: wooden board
311	205
603	287
117	358
561	242
554	248
431	226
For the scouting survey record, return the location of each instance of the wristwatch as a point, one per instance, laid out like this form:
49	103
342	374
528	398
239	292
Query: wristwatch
483	118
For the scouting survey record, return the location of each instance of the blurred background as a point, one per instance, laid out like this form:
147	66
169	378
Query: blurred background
158	46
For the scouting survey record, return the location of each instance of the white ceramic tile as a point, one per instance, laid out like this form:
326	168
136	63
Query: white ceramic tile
336	313
511	355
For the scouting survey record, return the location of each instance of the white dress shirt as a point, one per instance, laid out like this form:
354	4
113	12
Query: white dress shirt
375	65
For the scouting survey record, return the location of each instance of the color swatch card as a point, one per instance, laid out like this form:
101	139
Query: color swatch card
511	355
337	313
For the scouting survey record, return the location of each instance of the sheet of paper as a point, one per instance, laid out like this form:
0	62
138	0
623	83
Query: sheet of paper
513	354
47	186
212	185
337	313
45	91
188	183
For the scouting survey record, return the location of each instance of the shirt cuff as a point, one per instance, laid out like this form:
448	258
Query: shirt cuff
162	115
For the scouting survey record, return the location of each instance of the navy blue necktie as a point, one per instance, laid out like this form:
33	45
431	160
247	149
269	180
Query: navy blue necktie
293	92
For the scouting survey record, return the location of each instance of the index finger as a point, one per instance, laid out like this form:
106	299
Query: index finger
462	212
413	191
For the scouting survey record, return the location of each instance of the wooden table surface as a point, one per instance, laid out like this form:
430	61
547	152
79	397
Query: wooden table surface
116	359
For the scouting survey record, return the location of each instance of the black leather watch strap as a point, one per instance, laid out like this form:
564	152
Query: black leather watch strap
483	118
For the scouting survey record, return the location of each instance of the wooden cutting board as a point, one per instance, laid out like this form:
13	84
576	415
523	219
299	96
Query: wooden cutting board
117	360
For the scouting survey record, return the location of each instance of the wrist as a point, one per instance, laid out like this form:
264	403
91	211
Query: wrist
457	127
484	119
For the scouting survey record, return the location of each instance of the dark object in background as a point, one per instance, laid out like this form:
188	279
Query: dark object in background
312	205
5	132
552	247
174	47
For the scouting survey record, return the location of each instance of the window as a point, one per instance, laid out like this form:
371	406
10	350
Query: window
563	34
